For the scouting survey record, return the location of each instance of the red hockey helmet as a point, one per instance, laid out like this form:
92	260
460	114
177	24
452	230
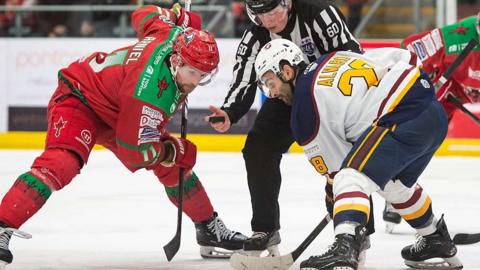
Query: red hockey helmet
198	49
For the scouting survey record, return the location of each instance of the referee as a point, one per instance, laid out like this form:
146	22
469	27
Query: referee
317	28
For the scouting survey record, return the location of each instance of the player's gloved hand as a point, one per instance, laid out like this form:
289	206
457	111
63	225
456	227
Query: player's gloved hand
329	195
186	18
180	152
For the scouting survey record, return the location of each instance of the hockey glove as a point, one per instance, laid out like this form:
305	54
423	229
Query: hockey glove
180	152
186	18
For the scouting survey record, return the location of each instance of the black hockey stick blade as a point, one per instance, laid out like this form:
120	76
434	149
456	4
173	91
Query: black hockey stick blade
173	246
466	238
244	262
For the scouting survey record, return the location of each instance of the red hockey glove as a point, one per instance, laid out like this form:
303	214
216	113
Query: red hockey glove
180	152
186	18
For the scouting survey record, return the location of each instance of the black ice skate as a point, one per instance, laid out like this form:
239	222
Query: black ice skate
343	253
262	241
213	234
6	233
390	217
434	251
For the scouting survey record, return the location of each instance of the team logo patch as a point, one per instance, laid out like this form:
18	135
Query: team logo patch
189	37
307	46
461	30
58	126
162	85
86	136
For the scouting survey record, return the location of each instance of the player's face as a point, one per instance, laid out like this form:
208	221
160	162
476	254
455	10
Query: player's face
189	77
275	20
273	87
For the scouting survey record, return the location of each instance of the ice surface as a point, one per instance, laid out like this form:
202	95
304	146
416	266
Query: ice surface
108	218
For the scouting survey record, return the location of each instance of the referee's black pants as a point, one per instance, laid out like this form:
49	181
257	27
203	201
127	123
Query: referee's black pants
269	138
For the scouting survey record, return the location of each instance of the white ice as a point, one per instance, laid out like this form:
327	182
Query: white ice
108	218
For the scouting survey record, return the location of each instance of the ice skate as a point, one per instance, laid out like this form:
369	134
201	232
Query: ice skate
390	217
262	241
216	240
6	233
363	250
343	254
434	251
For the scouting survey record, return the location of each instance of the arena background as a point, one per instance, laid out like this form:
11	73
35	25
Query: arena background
28	76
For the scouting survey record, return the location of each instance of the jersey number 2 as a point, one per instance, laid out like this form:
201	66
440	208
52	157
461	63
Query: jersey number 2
359	69
101	62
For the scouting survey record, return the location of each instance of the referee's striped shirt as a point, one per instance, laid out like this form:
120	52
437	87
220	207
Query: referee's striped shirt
315	26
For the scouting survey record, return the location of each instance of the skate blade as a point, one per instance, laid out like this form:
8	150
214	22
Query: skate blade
436	263
271	251
389	226
362	257
215	253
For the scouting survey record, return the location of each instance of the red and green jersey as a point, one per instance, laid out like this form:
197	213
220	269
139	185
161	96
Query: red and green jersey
132	89
439	48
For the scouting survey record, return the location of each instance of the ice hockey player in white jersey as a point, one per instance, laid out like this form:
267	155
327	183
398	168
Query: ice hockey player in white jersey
371	123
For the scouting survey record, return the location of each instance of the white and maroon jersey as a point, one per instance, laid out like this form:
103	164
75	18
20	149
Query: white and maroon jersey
343	93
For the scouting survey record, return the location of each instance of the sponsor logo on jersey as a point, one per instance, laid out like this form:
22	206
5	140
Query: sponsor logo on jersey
146	121
307	46
419	49
148	134
429	46
437	38
475	74
58	126
425	83
152	113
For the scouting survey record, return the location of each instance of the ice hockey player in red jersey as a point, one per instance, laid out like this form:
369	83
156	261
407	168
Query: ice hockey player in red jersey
122	100
438	49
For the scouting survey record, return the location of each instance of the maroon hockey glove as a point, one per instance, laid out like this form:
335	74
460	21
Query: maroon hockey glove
186	18
181	152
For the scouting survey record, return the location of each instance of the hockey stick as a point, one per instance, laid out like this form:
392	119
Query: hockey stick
466	238
244	262
466	51
456	101
173	246
446	75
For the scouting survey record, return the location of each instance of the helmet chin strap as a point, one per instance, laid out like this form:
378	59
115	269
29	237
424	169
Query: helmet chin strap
174	63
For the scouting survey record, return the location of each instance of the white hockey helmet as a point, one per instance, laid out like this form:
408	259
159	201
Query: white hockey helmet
270	56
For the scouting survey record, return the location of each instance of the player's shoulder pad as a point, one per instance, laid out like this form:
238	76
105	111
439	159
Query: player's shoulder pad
304	118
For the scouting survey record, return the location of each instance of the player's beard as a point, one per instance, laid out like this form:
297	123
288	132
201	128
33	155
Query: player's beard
186	88
286	93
